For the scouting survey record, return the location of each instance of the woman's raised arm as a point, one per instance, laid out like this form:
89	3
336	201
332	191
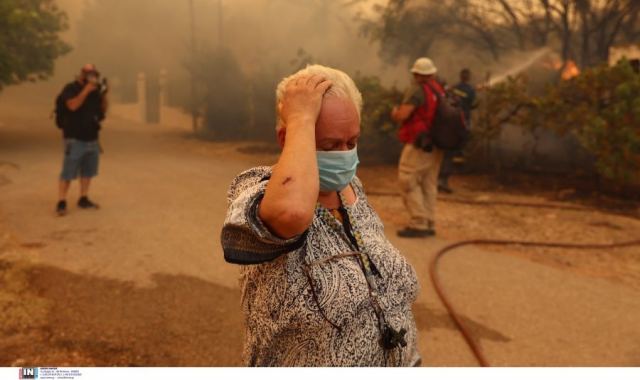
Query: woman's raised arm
289	202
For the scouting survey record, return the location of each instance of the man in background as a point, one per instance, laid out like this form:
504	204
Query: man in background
79	110
420	159
466	96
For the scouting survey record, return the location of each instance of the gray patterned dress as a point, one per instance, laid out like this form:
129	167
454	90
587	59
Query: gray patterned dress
306	300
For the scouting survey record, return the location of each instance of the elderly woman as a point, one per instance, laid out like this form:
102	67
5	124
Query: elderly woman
321	284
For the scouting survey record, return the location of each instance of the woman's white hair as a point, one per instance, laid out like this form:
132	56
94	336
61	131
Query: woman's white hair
342	86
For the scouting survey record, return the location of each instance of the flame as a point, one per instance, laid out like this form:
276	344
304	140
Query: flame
570	70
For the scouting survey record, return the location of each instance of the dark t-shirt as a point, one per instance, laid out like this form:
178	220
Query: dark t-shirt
467	95
84	123
414	96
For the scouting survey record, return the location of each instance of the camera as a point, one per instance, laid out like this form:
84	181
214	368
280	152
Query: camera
102	85
392	338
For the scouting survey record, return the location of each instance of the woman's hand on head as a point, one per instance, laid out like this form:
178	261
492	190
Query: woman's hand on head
302	100
288	206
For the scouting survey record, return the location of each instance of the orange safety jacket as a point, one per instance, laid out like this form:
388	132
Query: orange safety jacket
421	118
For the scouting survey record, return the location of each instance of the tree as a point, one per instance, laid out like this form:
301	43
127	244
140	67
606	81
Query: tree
222	93
410	29
603	24
582	30
29	39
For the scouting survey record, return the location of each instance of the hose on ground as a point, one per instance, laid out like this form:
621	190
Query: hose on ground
435	278
433	267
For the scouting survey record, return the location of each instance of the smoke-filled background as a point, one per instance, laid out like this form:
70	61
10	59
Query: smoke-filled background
236	51
241	49
217	62
554	156
220	60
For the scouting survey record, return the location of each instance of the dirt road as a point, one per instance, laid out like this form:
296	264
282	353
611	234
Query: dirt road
142	281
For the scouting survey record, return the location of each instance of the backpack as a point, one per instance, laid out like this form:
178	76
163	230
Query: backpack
449	129
61	112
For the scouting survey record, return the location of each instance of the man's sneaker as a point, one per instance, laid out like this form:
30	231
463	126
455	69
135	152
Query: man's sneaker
61	208
409	232
84	202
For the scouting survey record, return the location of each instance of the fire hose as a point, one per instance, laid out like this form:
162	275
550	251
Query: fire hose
435	279
433	266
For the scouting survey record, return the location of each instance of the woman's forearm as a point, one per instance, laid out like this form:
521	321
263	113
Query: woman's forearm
289	202
291	195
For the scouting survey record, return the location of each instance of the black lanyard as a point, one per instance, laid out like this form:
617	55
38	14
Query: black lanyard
390	338
350	231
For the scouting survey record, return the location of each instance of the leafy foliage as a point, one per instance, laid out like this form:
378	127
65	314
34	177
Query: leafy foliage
29	39
222	93
503	103
377	141
601	107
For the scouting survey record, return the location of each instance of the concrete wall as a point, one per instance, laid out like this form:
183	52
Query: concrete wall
618	52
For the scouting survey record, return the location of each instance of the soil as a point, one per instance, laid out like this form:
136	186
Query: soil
53	317
571	217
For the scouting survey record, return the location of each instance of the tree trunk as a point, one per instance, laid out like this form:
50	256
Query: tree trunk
584	9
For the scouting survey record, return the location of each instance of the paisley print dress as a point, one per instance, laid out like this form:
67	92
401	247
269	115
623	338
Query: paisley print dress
306	300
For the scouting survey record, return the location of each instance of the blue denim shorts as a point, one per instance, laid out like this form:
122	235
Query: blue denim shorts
80	158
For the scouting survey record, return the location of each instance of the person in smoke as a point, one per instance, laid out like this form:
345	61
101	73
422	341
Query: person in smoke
465	94
321	284
420	160
635	65
81	107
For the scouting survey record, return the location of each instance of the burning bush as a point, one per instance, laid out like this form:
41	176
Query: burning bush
601	107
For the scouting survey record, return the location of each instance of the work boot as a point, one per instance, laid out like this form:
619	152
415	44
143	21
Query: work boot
85	203
409	232
443	187
61	208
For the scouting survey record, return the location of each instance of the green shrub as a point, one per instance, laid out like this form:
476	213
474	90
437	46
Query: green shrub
601	107
222	92
378	141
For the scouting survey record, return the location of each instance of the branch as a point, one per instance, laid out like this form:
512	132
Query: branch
514	20
514	112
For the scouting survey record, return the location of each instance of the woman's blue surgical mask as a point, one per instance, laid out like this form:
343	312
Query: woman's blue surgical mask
337	168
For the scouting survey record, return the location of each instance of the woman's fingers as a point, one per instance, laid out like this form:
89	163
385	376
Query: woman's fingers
311	85
323	86
300	80
319	82
303	98
310	80
315	80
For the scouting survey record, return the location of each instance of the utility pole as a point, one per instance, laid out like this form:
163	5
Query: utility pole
220	25
194	113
